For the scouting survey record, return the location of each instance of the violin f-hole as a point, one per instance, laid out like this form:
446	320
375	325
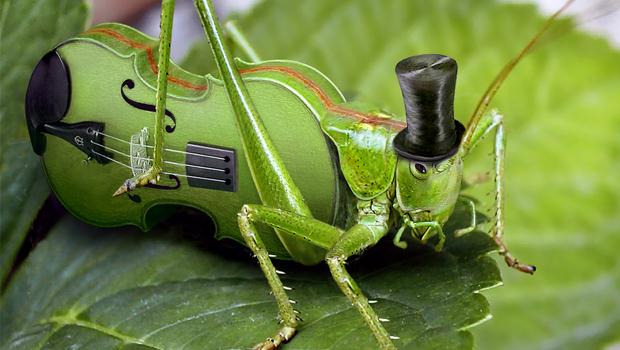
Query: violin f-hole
145	106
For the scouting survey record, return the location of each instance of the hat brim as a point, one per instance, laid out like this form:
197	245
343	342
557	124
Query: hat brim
410	153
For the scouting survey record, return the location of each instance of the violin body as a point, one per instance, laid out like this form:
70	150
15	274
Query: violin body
111	78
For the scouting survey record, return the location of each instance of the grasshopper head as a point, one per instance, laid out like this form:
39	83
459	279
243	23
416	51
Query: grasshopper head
427	191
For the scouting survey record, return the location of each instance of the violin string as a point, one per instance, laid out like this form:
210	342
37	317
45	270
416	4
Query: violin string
163	172
192	153
108	148
195	177
165	149
195	166
151	159
111	159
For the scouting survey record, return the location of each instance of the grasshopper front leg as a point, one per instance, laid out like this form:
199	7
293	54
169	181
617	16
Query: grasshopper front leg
353	242
490	122
152	174
432	228
422	230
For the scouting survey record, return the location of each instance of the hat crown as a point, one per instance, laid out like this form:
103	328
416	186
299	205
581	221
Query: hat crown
428	83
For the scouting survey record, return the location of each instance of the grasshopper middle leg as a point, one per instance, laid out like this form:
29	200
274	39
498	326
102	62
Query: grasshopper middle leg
350	243
340	245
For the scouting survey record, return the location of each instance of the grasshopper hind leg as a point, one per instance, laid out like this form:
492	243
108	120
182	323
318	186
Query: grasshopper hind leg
305	238
274	184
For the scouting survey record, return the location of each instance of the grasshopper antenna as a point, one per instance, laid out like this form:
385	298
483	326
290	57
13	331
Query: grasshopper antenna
591	14
491	91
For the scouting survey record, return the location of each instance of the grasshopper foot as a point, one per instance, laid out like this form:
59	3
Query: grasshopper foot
510	260
284	335
439	246
151	176
515	264
127	186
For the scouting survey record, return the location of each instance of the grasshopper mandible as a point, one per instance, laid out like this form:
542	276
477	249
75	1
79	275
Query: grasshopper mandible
398	177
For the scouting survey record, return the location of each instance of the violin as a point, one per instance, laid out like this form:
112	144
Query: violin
87	106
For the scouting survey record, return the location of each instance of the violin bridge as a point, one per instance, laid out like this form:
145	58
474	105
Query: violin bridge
138	155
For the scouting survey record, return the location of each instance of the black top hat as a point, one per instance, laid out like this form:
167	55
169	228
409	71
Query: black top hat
432	133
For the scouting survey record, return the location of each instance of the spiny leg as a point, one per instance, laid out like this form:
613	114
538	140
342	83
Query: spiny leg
274	183
152	174
322	235
353	242
285	309
315	232
272	180
494	121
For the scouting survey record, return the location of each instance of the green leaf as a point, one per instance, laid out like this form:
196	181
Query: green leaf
28	29
563	121
102	288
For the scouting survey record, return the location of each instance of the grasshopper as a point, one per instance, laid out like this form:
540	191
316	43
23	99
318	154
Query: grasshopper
398	177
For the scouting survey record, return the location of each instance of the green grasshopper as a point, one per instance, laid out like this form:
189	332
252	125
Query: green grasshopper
397	177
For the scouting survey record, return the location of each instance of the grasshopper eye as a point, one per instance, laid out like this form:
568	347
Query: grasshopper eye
419	170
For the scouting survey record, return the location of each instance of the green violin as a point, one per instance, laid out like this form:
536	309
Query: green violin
88	149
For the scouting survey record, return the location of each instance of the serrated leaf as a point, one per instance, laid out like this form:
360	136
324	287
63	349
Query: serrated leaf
28	29
563	121
121	288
